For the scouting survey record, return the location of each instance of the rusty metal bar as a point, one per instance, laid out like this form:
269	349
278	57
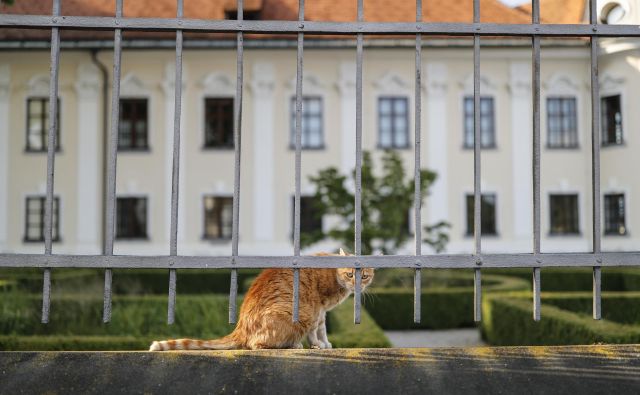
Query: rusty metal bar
417	196
536	157
477	145
357	297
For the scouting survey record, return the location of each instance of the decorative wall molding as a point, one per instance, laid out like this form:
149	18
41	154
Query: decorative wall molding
486	84
38	85
218	84
609	82
520	79
88	81
392	83
131	85
311	84
562	84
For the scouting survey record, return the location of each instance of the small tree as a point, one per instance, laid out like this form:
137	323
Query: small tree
386	203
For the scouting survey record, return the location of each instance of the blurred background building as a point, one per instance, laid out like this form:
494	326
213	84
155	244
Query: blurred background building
266	216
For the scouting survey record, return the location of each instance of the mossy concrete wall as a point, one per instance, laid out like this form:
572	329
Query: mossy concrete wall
507	370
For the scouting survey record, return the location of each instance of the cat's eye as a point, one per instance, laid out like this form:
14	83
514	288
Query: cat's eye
365	276
350	274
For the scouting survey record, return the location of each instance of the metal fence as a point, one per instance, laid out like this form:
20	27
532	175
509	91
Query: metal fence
535	260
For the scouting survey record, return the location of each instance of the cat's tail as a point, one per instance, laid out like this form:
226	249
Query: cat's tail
225	343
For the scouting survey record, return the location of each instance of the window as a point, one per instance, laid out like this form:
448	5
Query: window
218	217
487	122
563	209
310	215
487	214
38	124
393	119
34	219
218	132
246	15
133	125
131	221
312	134
562	122
611	120
614	216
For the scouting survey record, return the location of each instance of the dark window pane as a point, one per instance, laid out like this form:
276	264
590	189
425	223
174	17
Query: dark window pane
133	133
310	215
38	124
312	125
612	132
487	122
487	214
35	219
218	131
218	217
562	122
131	221
393	122
564	213
614	214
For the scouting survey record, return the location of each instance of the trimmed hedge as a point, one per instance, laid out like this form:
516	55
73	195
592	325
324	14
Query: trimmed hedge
76	323
131	281
442	308
507	319
577	279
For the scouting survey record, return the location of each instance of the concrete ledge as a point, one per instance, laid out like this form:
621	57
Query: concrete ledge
571	369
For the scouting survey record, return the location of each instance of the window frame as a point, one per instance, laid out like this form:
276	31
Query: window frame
468	144
206	144
306	116
575	137
44	117
147	217
469	219
577	224
392	115
606	229
55	220
130	147
604	134
221	226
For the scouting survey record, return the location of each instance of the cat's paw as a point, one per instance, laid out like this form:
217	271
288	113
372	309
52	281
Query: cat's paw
328	345
317	346
155	346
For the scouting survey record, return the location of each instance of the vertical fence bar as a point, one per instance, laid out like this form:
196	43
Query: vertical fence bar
109	232
233	290
477	143
175	178
535	92
51	155
417	197
298	161
357	297
595	169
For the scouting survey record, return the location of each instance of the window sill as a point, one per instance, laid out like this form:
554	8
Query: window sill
612	145
616	234
485	147
489	235
34	241
36	152
209	148
403	147
145	150
562	147
561	235
133	239
216	240
318	148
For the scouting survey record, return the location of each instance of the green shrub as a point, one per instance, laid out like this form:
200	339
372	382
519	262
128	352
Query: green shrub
577	279
507	320
442	308
76	322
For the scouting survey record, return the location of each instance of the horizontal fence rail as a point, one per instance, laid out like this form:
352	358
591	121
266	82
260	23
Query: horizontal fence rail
299	29
309	27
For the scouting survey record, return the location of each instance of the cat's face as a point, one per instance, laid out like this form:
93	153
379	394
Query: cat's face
347	278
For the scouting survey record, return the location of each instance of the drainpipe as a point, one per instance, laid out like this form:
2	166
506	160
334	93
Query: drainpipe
105	135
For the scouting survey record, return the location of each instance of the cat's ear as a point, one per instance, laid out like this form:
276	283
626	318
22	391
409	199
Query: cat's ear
342	253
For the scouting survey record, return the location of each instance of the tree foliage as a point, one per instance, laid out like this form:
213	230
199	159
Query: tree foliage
387	200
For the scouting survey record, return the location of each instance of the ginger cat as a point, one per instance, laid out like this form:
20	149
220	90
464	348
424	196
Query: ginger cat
266	314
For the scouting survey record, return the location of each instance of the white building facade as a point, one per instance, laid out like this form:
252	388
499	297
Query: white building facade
267	183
